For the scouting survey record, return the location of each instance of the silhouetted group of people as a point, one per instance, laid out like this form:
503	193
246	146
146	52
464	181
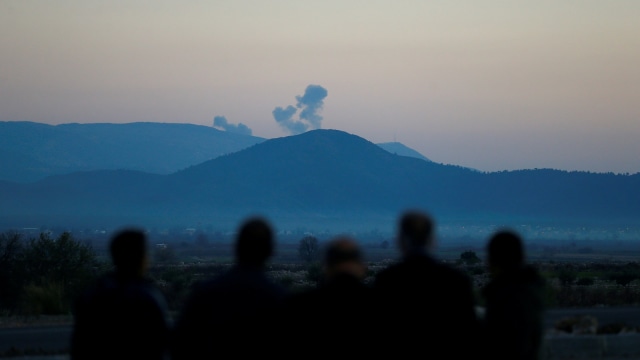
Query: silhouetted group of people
418	304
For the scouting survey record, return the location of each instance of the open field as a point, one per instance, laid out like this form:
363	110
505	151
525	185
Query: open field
602	281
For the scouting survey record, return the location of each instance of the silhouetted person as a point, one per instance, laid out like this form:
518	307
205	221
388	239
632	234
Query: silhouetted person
514	301
124	315
336	317
426	306
232	315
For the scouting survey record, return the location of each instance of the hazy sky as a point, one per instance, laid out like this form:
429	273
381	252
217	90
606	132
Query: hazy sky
492	85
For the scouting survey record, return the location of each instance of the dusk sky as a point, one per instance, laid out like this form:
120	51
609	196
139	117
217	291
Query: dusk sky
492	85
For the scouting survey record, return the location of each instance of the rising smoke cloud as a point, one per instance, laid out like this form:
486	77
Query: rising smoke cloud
310	104
222	123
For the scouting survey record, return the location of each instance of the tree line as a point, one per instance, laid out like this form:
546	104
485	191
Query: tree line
43	274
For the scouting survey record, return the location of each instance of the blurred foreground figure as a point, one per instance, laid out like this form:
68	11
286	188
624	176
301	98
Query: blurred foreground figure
336	317
233	315
427	306
123	316
514	301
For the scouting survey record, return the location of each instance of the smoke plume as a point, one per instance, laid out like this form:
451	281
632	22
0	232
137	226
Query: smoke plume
222	123
309	105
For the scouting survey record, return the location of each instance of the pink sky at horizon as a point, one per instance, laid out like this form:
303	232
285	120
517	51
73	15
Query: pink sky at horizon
493	85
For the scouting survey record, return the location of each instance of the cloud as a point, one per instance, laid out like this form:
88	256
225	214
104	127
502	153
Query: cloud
222	123
310	104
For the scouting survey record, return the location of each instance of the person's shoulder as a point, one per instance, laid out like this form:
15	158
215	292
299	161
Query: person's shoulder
533	279
256	278
390	271
140	291
392	268
532	274
449	273
528	275
153	290
449	268
203	289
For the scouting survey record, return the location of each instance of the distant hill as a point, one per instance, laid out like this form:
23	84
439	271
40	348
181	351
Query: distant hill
325	179
31	151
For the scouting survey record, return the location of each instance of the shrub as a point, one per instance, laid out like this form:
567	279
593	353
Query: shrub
469	258
314	272
61	262
46	299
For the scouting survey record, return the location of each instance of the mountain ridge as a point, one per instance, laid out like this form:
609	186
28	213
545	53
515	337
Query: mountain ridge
31	151
322	178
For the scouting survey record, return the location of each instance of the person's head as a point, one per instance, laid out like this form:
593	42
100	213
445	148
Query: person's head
129	252
343	256
255	242
415	232
505	251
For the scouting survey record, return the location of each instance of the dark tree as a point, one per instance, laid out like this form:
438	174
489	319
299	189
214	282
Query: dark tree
469	257
309	249
60	267
11	274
